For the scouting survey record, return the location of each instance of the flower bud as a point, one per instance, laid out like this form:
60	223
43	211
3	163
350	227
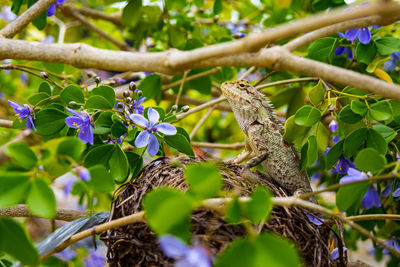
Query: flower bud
97	79
120	105
72	103
44	75
128	99
139	93
132	86
126	93
185	108
174	107
333	126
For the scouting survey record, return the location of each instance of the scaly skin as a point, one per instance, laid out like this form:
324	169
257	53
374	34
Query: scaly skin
264	135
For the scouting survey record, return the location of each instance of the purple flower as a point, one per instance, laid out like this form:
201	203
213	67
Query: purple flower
335	139
363	34
94	259
335	253
371	199
393	244
69	183
24	77
326	150
187	256
137	107
6	14
387	190
390	65
151	126
66	255
48	40
52	9
396	192
352	176
83	123
316	176
347	51
315	220
333	126
343	165
23	112
83	173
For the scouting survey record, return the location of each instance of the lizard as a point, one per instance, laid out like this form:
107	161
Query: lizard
264	136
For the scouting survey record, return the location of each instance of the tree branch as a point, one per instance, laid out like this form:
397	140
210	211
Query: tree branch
6	123
194	101
113	18
374	217
23	211
25	18
235	146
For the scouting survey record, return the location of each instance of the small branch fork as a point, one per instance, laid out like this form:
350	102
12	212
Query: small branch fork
219	205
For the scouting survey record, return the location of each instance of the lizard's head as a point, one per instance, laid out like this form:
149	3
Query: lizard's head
239	91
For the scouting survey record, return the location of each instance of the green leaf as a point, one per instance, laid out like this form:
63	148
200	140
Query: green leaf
322	49
396	110
180	143
135	162
387	132
365	53
202	84
369	160
217	7
388	45
348	116
359	107
22	154
333	154
317	94
377	141
36	98
350	196
131	13
205	180
98	155
183	132
53	67
105	91
381	111
118	129
260	204
45	87
40	21
13	188
119	166
16	6
71	147
49	121
98	102
168	211
176	36
15	242
41	200
100	180
72	93
307	116
309	153
262	250
354	141
293	131
104	119
151	87
234	211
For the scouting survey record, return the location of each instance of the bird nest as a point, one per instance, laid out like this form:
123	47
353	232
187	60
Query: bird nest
136	244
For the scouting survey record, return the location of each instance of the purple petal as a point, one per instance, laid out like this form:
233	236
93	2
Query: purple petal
14	105
68	185
153	145
315	220
339	51
139	120
371	199
73	122
343	165
195	257
341	34
83	173
396	193
166	128
326	150
86	133
66	255
51	10
349	53
29	123
153	115
172	247
353	175
333	125
364	35
142	139
352	34
76	113
387	190
335	253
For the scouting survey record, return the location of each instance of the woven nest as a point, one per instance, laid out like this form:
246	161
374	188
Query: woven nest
136	244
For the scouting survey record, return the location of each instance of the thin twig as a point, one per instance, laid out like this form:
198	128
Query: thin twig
61	214
178	96
113	18
201	107
234	146
6	123
190	78
296	80
244	75
374	217
25	18
62	29
201	122
68	11
194	101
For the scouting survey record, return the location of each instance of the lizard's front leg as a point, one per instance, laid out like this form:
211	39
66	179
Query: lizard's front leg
262	155
245	154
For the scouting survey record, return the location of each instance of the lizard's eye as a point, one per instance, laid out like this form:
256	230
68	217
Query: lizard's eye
241	85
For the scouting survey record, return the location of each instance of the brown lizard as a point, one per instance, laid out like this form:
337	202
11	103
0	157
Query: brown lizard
264	135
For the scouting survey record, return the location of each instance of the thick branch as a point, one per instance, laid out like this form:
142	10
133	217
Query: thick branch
6	123
25	18
23	211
